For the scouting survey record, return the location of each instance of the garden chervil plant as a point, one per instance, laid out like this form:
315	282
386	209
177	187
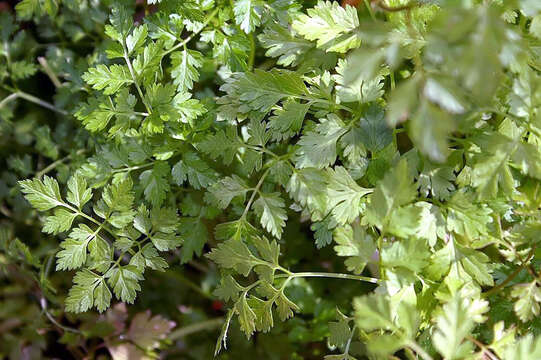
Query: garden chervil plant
372	166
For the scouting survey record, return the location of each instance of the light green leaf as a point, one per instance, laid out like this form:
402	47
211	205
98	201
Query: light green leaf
43	195
332	26
110	79
270	207
356	244
78	193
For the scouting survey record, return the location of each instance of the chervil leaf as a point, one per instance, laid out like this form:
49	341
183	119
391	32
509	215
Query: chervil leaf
110	79
247	14
453	325
270	207
318	148
43	195
527	348
373	131
22	70
287	121
304	186
344	195
74	251
356	244
195	234
223	143
396	189
78	193
233	254
89	290
260	90
462	264
195	170
125	282
359	90
282	43
528	299
185	68
228	289
154	182
59	222
332	26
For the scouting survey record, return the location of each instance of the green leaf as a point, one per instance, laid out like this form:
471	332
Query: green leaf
154	182
43	195
78	193
137	38
270	207
527	348
234	254
287	121
222	192
359	90
373	131
59	222
318	147
110	79
121	23
195	170
411	254
247	317
429	129
332	26
528	299
462	264
195	234
282	43
466	218
305	186
89	290
354	243
261	90
453	326
223	144
125	282
247	14
340	331
74	248
228	289
396	189
27	8
344	195
185	65
22	70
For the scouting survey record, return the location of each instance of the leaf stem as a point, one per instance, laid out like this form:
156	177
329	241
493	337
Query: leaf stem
50	73
255	191
419	350
331	275
193	328
251	59
369	8
53	165
483	347
383	6
194	34
132	168
33	99
132	73
511	276
43	303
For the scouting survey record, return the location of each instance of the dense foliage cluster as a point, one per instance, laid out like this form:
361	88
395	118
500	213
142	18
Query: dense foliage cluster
356	180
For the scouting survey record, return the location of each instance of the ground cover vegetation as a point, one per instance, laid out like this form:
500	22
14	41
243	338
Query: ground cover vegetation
282	179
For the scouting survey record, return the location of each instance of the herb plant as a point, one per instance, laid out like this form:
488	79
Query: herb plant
359	180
